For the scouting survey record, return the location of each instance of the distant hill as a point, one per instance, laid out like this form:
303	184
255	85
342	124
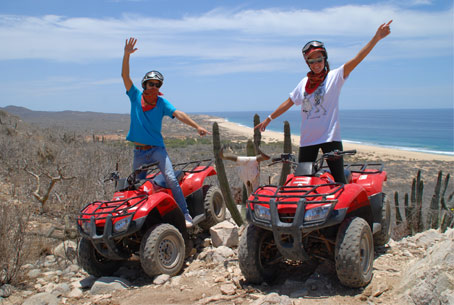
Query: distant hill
83	121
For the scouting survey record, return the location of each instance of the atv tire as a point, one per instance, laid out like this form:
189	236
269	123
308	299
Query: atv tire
93	262
354	253
162	250
258	255
382	237
214	206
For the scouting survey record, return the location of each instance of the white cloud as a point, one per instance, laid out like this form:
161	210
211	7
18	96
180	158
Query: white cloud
245	40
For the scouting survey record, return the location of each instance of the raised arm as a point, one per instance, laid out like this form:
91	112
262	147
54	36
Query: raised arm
183	117
382	32
280	110
129	49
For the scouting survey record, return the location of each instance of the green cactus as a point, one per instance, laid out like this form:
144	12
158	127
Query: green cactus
287	149
437	216
257	133
222	177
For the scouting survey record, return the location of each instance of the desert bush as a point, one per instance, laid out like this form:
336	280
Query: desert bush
13	223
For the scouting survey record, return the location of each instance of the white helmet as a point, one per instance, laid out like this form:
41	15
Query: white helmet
152	75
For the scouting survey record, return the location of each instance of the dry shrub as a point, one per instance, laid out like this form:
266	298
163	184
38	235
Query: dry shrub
13	223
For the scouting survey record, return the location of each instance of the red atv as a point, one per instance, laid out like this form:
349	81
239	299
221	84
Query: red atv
144	219
311	216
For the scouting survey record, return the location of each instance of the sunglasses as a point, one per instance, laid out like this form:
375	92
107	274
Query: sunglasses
157	85
315	60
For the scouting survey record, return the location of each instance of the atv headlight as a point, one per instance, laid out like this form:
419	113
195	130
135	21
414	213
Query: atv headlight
122	224
262	212
317	213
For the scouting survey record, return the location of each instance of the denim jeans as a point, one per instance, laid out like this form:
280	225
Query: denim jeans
159	154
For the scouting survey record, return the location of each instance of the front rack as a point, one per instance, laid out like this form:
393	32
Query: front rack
299	193
114	208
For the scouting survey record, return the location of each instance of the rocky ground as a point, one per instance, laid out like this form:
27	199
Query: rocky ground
415	270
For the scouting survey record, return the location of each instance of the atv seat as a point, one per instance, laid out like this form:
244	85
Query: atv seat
159	180
347	173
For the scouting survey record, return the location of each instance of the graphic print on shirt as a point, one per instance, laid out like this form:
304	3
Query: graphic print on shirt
317	105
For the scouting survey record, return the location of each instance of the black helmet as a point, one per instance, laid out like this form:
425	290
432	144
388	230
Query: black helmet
152	75
314	45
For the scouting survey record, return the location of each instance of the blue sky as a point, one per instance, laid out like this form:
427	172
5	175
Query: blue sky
221	55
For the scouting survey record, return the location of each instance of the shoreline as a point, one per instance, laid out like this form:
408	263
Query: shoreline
390	153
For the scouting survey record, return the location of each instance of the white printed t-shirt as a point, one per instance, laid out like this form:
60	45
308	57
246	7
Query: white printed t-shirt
320	110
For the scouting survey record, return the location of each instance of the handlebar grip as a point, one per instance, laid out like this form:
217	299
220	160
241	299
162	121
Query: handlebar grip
353	151
276	159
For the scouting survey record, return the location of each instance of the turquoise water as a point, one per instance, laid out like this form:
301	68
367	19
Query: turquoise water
424	130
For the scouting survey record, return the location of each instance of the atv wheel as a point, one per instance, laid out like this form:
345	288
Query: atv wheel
354	254
258	255
381	238
214	205
93	262
162	250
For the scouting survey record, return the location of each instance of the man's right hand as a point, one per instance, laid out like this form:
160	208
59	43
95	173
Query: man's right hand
130	44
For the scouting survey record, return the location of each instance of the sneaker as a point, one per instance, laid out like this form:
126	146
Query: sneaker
188	220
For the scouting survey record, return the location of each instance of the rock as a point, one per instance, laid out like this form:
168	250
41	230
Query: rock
427	279
61	289
108	284
34	273
75	293
161	279
224	234
273	298
228	289
66	250
6	290
43	298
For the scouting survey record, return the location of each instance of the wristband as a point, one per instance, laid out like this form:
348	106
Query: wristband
270	117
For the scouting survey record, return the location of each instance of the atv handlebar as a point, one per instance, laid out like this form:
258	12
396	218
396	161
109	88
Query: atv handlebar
332	155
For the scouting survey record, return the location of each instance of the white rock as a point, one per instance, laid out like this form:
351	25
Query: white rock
224	234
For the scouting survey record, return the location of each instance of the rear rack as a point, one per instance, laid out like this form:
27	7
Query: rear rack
183	167
299	193
114	208
364	168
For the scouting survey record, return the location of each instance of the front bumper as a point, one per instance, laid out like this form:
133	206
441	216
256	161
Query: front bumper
292	248
104	241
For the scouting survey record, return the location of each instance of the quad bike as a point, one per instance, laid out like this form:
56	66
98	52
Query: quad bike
313	217
143	219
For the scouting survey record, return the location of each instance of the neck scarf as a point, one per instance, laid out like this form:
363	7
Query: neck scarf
149	101
314	80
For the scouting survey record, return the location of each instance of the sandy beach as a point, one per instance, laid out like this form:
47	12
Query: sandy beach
385	153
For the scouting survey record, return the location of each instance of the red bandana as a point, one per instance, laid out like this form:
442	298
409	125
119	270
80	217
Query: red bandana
148	102
314	80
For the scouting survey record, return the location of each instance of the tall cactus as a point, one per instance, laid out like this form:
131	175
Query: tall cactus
287	149
250	151
439	215
257	133
222	177
434	213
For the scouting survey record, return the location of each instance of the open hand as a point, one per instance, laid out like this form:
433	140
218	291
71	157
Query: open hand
129	46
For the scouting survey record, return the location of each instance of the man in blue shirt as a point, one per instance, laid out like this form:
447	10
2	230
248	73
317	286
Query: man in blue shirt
147	111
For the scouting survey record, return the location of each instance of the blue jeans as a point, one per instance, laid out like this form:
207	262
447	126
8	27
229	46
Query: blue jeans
159	154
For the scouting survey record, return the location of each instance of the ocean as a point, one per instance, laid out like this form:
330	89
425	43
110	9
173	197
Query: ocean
422	130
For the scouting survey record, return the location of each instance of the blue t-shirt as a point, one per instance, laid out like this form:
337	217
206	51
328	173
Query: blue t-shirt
145	127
